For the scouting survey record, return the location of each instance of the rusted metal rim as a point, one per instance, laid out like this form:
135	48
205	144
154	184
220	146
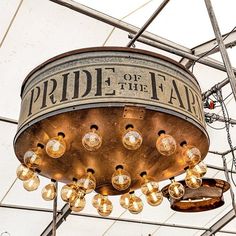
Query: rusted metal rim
208	196
100	49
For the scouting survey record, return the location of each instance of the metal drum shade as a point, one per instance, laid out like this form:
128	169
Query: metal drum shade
111	89
208	196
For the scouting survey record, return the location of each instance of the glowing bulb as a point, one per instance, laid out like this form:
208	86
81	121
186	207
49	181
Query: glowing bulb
125	200
121	179
105	208
87	182
92	140
78	203
135	205
69	192
49	192
148	186
32	158
199	169
154	198
56	147
31	184
192	181
132	139
24	173
192	155
166	144
176	190
97	199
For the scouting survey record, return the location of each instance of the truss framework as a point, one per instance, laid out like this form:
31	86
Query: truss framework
189	55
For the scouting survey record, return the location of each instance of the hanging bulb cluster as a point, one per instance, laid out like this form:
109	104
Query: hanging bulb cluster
74	193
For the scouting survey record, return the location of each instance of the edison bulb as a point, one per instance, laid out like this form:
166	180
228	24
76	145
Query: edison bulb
176	190
49	192
32	158
135	205
31	184
24	173
149	186
125	200
192	155
132	139
199	169
121	179
154	198
87	182
92	140
105	208
166	144
56	147
78	203
97	199
68	192
192	181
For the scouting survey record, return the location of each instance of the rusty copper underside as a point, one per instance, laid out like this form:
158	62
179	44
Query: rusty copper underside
111	124
208	196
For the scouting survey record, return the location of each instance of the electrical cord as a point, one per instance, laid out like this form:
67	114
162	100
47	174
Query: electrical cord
227	127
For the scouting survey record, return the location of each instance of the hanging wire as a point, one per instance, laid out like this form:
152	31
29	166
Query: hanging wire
206	53
225	113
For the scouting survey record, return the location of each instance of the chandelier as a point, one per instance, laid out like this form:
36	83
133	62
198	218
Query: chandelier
111	120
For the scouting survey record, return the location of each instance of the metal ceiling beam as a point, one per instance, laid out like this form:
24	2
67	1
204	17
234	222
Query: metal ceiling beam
220	224
8	120
210	47
215	117
222	48
15	207
149	21
60	217
115	22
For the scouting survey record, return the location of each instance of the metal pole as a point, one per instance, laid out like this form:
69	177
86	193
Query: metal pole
215	117
149	21
54	228
223	50
215	88
204	61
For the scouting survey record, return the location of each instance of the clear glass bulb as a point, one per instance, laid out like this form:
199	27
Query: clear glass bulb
97	199
148	185
92	140
49	192
32	158
56	146
192	155
154	198
31	184
176	190
199	169
192	181
68	192
87	182
166	144
78	203
24	173
135	205
125	200
105	208
121	179
132	139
